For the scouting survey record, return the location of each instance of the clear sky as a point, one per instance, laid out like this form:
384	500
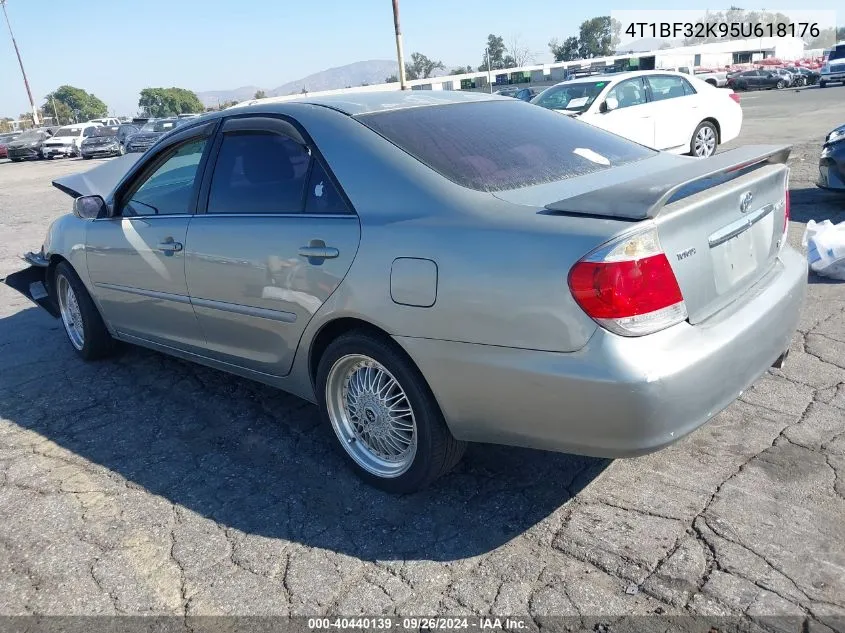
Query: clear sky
114	48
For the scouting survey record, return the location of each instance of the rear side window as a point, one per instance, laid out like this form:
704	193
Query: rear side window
259	172
667	87
499	145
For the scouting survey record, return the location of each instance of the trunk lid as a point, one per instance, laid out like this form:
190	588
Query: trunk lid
720	220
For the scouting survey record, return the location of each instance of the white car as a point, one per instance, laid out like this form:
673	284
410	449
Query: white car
106	121
661	109
67	140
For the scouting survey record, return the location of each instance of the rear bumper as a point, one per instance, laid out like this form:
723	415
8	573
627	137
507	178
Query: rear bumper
32	283
617	396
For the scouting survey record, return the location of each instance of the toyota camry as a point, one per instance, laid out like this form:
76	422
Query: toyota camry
437	269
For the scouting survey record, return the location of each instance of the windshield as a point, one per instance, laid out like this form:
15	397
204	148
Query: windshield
105	131
502	144
30	135
576	97
159	126
67	131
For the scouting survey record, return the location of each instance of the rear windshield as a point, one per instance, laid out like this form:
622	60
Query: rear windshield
159	126
498	145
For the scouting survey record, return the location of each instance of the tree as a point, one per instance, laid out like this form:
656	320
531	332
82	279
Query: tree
81	105
259	94
462	70
521	54
392	79
595	38
498	53
58	111
421	67
566	52
162	102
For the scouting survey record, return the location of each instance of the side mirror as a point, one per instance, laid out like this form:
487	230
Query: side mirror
609	104
90	208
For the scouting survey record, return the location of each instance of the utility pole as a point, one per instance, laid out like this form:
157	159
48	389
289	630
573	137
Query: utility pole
489	80
35	120
56	112
399	53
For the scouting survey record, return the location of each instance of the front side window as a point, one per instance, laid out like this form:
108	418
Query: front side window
259	172
666	87
628	93
168	190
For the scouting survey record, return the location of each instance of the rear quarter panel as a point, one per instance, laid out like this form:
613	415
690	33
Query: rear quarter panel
501	268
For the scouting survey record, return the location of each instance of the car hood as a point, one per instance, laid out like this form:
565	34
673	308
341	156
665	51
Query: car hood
146	136
61	140
99	140
836	134
21	144
99	181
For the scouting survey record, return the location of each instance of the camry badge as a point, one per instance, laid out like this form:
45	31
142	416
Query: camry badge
745	201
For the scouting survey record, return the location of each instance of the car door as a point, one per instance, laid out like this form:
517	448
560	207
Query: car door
676	108
136	259
633	117
273	240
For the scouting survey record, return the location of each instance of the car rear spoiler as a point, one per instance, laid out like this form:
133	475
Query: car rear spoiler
99	181
642	198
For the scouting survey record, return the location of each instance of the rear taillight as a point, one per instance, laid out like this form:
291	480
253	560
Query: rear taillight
628	287
734	96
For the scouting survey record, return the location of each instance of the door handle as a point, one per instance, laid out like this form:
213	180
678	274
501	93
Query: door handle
169	246
318	252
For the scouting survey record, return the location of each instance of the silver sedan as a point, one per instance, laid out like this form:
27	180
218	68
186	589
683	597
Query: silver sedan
433	269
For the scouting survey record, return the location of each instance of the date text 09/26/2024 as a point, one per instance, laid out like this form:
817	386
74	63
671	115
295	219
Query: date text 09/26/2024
732	30
417	623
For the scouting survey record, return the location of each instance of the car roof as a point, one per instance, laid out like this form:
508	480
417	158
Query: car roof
354	103
622	75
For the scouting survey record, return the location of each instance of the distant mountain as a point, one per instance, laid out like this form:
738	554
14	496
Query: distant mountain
373	71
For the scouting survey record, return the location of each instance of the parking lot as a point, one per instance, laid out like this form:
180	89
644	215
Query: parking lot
148	485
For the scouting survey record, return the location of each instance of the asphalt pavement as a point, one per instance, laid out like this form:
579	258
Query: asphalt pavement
147	485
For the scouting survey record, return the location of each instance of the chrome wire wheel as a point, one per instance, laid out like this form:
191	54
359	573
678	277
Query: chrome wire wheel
71	315
705	142
371	415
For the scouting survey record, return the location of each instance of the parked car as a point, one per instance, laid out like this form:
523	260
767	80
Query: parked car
517	277
28	145
523	94
786	75
832	72
811	77
719	79
5	139
661	109
832	161
107	141
150	132
67	140
106	121
756	80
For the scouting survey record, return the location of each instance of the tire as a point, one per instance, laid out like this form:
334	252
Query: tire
822	84
429	449
86	157
16	160
780	84
704	140
92	340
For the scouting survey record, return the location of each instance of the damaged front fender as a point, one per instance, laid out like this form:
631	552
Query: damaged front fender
32	283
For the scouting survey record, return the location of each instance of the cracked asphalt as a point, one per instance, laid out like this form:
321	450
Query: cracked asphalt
146	485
